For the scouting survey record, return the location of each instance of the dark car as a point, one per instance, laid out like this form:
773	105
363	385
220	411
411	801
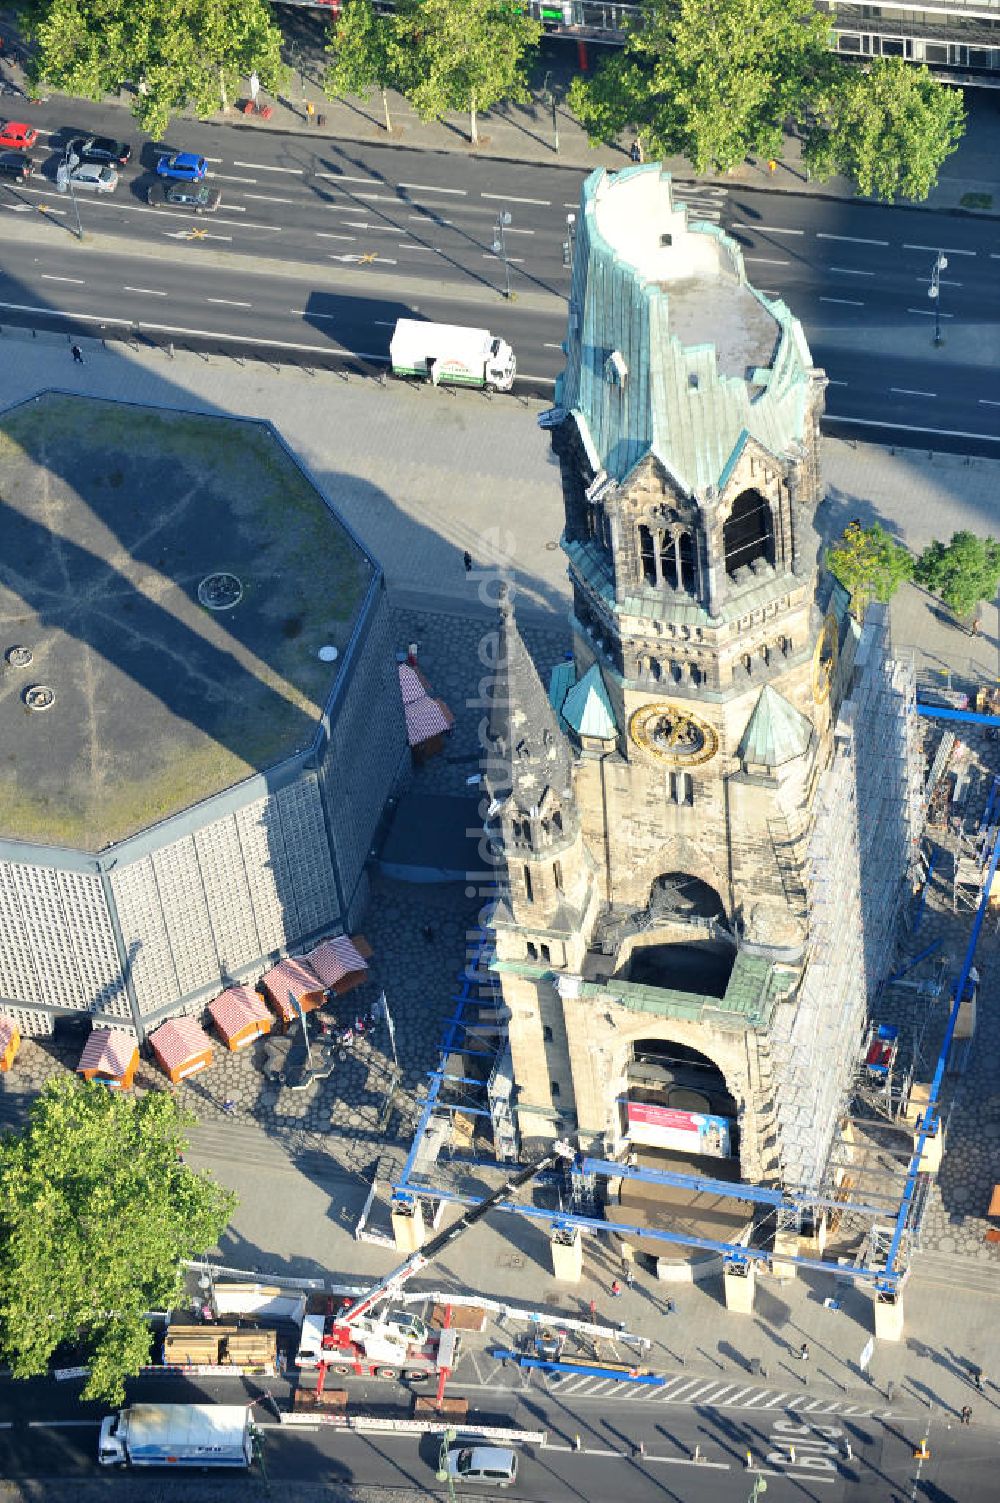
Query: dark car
104	150
16	164
198	197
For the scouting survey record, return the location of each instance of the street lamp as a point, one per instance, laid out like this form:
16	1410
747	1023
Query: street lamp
64	182
568	242
934	292
443	1474
549	95
500	246
759	1486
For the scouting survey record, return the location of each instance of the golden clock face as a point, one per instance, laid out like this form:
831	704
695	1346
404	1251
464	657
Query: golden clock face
672	734
825	660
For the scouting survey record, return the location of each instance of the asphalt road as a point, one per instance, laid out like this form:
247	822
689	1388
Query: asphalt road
319	245
595	1448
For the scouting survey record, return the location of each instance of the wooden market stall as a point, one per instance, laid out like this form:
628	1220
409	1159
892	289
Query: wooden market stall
182	1048
10	1042
241	1015
292	980
342	963
111	1057
428	720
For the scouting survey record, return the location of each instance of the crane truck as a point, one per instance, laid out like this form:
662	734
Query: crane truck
396	1343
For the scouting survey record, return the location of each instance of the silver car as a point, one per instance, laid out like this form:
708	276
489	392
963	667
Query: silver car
92	175
493	1466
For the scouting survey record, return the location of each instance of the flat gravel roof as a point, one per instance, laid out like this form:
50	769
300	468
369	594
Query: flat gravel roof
121	528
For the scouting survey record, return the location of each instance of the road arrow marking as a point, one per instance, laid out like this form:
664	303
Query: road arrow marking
194	235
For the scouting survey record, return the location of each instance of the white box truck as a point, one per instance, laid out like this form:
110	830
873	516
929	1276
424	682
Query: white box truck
451	354
177	1435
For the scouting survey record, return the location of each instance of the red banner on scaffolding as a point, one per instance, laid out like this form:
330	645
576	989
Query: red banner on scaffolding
688	1132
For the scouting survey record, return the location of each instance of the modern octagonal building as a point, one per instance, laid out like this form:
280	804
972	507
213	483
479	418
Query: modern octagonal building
200	719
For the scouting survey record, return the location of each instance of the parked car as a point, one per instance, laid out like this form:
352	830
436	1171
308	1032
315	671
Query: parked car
495	1466
183	165
198	197
16	164
103	149
17	136
89	175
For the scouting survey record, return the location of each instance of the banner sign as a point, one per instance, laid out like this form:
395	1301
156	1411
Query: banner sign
687	1132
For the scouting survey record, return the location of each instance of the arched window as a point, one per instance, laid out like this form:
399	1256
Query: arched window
647	555
557	822
746	662
685	554
748	535
529	894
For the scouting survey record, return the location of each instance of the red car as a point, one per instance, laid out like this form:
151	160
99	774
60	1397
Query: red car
17	136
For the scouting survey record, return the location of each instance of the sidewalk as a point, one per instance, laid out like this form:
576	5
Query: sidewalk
528	133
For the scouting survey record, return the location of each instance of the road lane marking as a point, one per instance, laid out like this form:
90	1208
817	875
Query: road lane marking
985	402
944	250
262	167
225	178
763	1471
307	313
701	1464
511	260
426	188
426	250
269	198
423	219
944	281
326	235
511	229
848	302
339	177
228	302
147	291
765	261
63	1424
359	260
862	422
850	239
906	391
831	382
77	281
554	347
764	229
506	198
930	313
849	271
207	159
600	1451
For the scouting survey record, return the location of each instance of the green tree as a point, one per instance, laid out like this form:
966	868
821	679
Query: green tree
97	1211
179	53
712	80
465	55
889	127
963	572
870	565
365	55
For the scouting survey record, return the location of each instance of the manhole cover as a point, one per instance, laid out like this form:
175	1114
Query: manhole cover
19	657
220	592
39	697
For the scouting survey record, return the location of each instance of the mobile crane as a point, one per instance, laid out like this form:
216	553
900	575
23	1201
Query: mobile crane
352	1340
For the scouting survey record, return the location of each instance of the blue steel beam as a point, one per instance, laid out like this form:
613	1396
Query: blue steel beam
930	1122
758	1194
965	717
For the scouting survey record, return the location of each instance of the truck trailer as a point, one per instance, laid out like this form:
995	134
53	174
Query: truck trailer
199	1435
449	354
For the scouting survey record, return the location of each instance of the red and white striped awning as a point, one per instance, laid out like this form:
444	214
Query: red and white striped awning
108	1051
336	958
178	1041
237	1008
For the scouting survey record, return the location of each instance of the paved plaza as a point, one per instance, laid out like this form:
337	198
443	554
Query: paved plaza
422	476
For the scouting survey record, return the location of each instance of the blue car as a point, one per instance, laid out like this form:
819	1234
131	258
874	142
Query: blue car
184	165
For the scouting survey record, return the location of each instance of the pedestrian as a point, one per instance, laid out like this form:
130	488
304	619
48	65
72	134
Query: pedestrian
966	1415
229	1107
428	932
77	354
772	166
804	1352
669	1307
616	1289
467	561
977	626
635	152
977	1378
593	1310
629	1276
848	1451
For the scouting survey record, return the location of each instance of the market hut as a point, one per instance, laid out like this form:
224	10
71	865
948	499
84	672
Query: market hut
10	1043
111	1057
240	1015
292	980
342	963
428	720
182	1048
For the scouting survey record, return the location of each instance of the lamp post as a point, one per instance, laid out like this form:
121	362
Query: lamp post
549	95
568	242
934	293
500	246
64	182
759	1486
443	1474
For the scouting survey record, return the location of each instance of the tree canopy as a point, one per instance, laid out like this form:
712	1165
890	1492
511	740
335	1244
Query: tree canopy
711	80
179	53
97	1211
870	564
963	572
889	127
716	81
365	55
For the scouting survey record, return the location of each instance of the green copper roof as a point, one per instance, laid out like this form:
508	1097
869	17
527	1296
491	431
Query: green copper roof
561	681
776	731
670	350
587	708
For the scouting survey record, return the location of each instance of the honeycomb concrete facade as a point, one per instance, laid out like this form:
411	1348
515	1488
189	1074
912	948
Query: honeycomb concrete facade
155	924
684	816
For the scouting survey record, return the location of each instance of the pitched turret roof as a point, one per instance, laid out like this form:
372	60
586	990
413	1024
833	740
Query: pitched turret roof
527	751
776	732
587	707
